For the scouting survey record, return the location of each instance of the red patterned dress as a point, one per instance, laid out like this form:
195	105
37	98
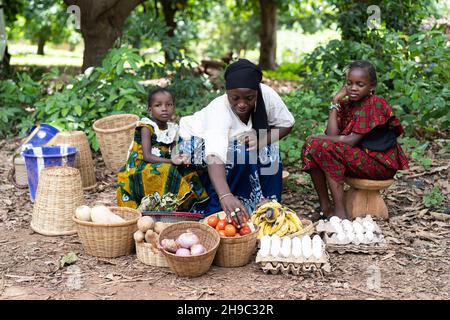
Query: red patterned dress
339	159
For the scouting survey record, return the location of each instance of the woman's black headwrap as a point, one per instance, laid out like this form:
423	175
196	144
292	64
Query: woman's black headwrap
244	74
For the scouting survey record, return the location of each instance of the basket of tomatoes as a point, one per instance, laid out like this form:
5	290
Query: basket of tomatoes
236	245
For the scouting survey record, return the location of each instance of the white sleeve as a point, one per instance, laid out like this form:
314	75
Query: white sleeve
278	115
216	128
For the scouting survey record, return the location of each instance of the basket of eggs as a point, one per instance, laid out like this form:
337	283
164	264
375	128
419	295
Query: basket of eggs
236	244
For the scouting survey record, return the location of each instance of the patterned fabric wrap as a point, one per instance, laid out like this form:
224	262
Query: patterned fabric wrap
250	176
139	178
340	159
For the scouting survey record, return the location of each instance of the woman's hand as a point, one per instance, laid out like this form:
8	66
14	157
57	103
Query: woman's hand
180	159
234	210
339	95
249	139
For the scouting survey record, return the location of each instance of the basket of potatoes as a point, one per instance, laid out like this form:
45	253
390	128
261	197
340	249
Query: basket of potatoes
147	239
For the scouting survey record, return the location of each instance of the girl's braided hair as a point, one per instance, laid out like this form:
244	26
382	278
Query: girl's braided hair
158	90
363	64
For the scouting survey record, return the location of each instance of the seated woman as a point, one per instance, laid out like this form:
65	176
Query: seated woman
234	138
360	140
149	167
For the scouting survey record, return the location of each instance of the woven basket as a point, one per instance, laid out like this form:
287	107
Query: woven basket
172	217
114	135
109	240
146	255
191	266
308	229
17	175
83	160
59	193
235	251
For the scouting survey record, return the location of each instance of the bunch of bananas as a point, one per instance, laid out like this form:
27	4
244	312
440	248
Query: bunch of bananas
273	218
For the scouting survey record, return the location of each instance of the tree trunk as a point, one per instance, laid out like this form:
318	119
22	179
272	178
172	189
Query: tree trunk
41	44
268	34
101	25
169	11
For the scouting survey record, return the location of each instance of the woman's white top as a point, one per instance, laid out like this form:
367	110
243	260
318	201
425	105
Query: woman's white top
217	124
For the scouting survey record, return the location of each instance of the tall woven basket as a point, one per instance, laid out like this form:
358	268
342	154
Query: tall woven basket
235	251
191	266
83	160
59	193
109	240
114	135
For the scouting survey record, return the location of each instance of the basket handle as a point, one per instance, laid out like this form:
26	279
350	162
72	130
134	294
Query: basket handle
12	175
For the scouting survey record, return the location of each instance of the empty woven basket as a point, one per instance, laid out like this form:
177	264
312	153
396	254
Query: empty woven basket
114	135
59	193
83	160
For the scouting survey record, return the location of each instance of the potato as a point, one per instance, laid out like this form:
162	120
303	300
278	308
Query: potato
160	226
145	223
139	236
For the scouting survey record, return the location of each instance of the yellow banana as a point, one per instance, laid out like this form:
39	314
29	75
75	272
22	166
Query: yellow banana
279	222
292	225
271	215
267	229
294	221
261	230
283	230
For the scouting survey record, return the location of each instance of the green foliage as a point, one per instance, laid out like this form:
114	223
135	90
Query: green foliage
310	115
45	20
413	74
403	15
109	89
433	198
285	71
17	98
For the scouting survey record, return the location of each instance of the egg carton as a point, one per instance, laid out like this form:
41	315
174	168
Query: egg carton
295	266
327	227
380	245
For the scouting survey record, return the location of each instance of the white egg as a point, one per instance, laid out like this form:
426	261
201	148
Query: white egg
286	247
358	219
306	246
275	246
335	220
357	227
368	218
297	247
338	229
317	247
350	236
369	236
368	226
347	226
342	239
359	237
265	246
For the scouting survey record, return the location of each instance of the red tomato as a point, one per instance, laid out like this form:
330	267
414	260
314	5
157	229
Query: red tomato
230	230
222	233
221	224
212	221
245	230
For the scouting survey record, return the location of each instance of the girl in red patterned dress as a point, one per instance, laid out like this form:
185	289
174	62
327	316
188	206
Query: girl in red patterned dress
360	140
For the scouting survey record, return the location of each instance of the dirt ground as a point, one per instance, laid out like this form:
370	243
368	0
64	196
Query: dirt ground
416	266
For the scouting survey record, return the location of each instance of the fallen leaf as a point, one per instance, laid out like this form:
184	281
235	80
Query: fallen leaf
68	259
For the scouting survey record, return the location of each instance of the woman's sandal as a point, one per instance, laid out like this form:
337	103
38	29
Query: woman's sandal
316	215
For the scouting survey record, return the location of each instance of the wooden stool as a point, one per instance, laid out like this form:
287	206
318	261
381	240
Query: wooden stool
364	198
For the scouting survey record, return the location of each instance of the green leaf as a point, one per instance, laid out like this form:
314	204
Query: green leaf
78	110
68	259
